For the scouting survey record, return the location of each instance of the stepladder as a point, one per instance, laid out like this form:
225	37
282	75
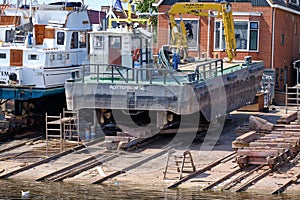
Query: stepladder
178	164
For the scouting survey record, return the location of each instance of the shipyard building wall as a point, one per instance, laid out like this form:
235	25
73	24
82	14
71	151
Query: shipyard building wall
286	40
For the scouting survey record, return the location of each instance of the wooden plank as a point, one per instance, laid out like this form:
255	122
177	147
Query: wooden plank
287	118
248	137
257	153
294	126
272	145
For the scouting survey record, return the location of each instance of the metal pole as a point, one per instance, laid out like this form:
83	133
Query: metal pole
286	98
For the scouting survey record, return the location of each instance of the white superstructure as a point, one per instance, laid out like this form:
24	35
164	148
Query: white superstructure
42	45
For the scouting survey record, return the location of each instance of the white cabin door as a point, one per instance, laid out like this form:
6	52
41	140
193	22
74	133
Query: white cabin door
115	50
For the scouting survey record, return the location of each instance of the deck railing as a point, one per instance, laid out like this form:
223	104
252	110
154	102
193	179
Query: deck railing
209	69
117	73
114	73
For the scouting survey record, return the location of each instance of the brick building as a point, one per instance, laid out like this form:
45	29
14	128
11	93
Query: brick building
266	30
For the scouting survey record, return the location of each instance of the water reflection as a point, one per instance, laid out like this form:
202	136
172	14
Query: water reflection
11	189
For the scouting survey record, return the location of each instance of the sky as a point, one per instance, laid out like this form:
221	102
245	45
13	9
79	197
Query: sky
93	4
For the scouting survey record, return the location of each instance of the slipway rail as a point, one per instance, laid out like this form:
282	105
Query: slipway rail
134	165
200	171
42	161
19	145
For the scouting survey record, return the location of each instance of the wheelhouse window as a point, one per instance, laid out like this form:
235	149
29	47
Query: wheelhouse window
33	57
9	35
74	40
98	42
60	38
82	39
246	34
2	55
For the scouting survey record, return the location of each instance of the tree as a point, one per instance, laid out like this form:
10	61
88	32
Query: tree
146	7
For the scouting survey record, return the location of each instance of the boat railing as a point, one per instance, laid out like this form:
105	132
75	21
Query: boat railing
207	70
113	73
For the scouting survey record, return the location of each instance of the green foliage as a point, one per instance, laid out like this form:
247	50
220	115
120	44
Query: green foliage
146	7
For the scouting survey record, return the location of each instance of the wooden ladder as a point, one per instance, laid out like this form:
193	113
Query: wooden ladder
182	163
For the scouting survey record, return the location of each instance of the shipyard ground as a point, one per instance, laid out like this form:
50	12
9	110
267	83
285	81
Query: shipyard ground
151	172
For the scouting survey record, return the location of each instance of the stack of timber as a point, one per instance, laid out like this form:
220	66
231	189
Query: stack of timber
271	144
244	140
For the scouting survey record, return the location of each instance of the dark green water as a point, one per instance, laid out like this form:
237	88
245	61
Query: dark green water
11	189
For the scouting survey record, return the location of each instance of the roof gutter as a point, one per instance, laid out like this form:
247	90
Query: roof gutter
283	8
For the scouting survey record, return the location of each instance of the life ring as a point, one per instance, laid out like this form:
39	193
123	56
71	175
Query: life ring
136	54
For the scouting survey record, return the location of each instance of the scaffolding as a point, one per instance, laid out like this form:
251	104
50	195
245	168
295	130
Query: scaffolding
63	127
292	97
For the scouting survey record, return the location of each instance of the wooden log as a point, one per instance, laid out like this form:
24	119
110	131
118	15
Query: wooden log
257	123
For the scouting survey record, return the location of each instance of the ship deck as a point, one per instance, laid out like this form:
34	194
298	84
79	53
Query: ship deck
192	89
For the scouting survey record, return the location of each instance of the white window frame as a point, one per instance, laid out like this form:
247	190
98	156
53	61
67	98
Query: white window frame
294	2
222	46
98	41
195	46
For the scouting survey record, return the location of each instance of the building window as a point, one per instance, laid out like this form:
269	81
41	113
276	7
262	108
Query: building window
2	55
60	38
98	42
295	2
282	38
246	34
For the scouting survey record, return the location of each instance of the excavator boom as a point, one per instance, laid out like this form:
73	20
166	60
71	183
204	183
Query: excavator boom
223	10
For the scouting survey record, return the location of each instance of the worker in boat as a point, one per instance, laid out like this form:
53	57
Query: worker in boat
175	60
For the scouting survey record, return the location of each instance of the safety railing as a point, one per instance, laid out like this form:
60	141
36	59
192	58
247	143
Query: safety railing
210	69
117	73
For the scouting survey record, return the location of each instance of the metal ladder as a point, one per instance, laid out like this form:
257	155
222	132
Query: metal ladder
54	129
182	163
70	125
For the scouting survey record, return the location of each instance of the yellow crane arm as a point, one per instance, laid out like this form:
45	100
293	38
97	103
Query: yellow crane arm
223	10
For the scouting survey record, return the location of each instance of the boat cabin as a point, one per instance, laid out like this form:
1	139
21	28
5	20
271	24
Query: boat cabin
40	46
122	49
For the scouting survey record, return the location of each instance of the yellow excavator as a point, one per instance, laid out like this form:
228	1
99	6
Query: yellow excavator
221	10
